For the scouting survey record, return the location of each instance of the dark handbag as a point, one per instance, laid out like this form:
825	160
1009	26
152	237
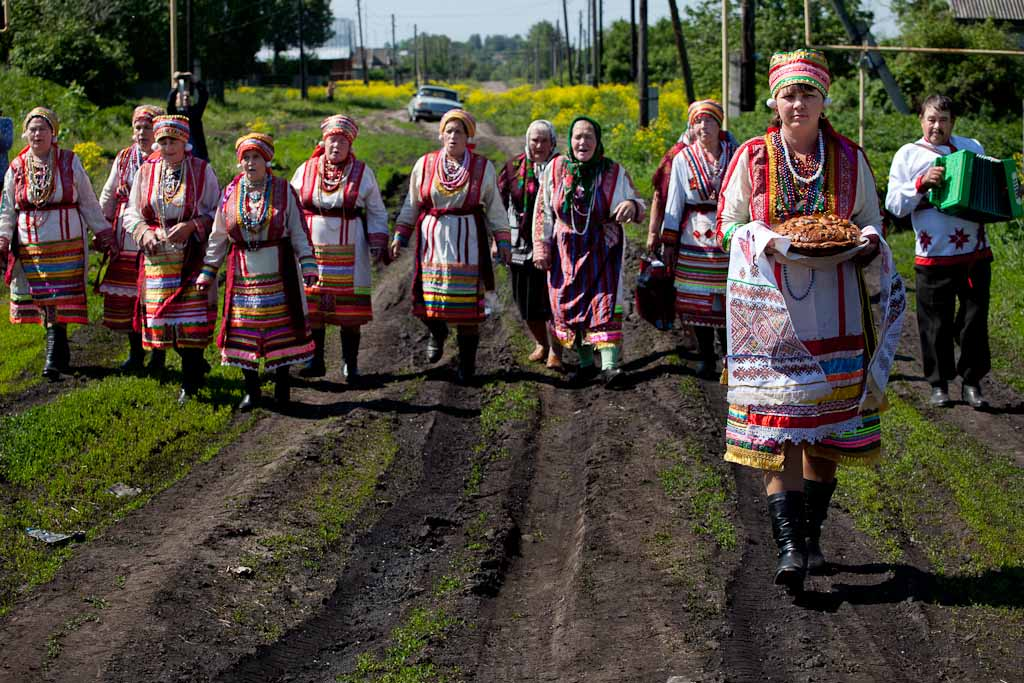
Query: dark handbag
655	294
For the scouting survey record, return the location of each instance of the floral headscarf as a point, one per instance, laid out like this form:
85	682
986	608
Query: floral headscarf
582	175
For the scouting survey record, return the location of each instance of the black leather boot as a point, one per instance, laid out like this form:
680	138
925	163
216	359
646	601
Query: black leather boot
786	510
157	362
706	347
252	391
192	363
50	370
136	354
316	367
817	496
62	352
468	344
350	355
282	386
435	345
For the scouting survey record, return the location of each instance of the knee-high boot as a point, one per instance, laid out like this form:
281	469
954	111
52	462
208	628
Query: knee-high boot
316	367
282	386
62	350
50	370
817	496
468	344
350	354
136	354
786	510
192	363
435	345
708	357
251	400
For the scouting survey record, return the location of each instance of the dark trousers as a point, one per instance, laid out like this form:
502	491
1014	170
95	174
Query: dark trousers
939	323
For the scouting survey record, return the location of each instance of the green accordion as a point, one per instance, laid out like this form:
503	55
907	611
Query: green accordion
978	188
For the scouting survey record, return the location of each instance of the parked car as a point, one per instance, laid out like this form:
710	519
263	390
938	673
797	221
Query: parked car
431	102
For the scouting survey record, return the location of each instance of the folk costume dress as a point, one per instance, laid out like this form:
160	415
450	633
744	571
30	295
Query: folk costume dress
172	311
345	217
804	364
263	238
518	184
46	219
585	246
452	220
701	267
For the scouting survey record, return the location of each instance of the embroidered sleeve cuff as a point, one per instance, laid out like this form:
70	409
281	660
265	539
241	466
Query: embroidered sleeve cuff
503	238
917	184
308	265
727	236
378	240
208	271
402	234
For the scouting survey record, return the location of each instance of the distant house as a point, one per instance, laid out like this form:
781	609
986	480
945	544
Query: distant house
336	52
1010	11
376	58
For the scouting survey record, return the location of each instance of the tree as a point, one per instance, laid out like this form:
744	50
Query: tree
284	18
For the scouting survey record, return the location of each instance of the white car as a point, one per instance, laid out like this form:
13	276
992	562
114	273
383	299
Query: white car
431	102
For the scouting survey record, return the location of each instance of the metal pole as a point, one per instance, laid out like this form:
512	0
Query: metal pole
394	53
416	53
362	45
568	42
725	64
641	47
595	57
173	8
188	35
860	94
632	40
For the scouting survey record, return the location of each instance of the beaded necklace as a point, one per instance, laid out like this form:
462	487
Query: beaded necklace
172	187
41	180
334	176
452	174
800	194
254	204
590	209
789	288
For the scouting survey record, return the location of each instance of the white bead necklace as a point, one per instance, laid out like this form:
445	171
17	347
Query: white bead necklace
590	211
821	160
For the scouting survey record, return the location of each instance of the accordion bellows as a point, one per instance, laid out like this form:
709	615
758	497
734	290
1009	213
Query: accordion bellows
977	188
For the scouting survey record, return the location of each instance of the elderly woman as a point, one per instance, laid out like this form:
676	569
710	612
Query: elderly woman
518	183
260	230
48	203
583	201
688	233
806	376
120	283
454	201
348	226
170	211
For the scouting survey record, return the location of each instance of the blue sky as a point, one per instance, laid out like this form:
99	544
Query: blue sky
487	17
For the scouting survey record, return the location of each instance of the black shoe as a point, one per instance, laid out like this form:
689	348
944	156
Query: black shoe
350	356
940	397
62	352
817	496
613	378
252	391
435	344
50	370
136	354
468	344
582	375
972	397
157	362
786	510
192	375
282	387
315	367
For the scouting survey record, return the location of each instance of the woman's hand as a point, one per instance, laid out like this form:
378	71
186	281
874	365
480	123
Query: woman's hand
396	249
311	279
870	252
625	212
542	262
653	242
180	232
376	254
668	254
204	282
505	255
149	242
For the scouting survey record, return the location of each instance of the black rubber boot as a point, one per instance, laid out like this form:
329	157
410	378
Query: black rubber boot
136	354
468	344
316	367
62	352
435	345
282	386
157	362
817	496
192	362
786	510
252	391
706	347
50	370
350	355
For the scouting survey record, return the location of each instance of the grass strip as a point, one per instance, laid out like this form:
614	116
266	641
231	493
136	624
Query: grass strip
400	661
705	488
57	462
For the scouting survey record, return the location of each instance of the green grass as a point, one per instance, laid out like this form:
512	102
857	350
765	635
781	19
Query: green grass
703	490
984	486
58	460
401	661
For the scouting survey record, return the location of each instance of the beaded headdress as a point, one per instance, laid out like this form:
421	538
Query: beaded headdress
459	115
47	115
807	67
339	124
261	142
704	108
171	126
146	112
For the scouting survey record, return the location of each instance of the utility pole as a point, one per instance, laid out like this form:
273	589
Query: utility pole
632	40
536	60
595	63
362	45
303	92
568	43
684	59
556	68
173	9
394	51
416	55
580	48
747	83
645	118
600	39
725	64
188	35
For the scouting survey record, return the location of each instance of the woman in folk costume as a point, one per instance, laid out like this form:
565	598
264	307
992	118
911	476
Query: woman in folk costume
578	237
120	283
170	211
518	183
48	203
806	370
454	201
260	230
688	234
348	227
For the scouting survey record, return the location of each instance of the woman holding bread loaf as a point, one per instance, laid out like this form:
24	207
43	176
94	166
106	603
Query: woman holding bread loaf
806	367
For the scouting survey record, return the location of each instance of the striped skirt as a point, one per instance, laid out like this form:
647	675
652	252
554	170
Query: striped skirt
452	292
585	286
700	277
120	290
54	273
336	299
188	321
261	327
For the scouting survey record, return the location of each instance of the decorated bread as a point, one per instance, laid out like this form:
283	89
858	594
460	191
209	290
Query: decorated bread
819	234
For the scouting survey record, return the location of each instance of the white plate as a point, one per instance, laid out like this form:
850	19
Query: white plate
821	262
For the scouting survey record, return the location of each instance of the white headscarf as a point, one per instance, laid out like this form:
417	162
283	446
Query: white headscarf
550	128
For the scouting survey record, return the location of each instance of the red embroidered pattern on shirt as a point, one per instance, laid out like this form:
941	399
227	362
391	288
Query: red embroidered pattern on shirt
959	238
925	240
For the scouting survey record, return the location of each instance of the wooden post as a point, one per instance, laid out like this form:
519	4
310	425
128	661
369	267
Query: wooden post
303	92
600	39
632	40
362	45
595	64
725	64
748	86
416	54
173	9
579	49
645	119
568	43
394	52
684	59
860	99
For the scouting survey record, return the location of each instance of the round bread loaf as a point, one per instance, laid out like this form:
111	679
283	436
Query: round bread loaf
818	234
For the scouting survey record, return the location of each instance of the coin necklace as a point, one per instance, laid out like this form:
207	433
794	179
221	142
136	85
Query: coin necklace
41	181
452	174
334	176
254	204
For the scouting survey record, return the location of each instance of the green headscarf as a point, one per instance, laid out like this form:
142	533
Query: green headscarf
583	174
